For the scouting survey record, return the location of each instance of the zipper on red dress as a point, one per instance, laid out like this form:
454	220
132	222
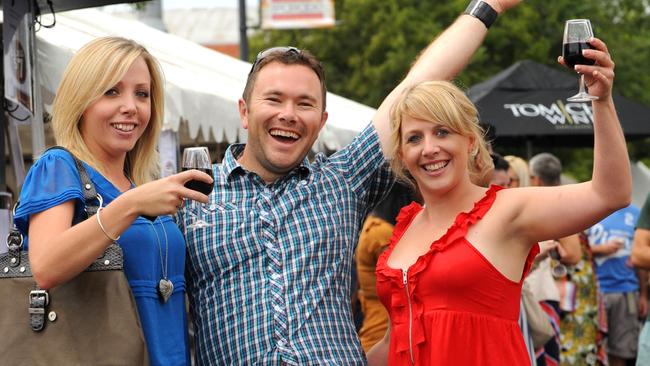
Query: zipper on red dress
408	299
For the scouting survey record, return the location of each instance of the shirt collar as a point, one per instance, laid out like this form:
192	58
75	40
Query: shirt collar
234	151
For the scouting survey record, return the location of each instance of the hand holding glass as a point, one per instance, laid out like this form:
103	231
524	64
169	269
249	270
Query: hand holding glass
197	158
577	33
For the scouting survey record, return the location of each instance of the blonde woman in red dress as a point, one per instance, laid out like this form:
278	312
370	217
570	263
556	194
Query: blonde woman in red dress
451	277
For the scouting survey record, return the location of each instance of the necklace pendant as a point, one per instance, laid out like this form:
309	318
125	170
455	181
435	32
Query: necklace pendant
165	289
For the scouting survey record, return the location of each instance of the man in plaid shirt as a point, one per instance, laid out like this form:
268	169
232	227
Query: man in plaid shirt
270	256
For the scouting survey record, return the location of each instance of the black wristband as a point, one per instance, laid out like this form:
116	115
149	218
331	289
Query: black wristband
482	11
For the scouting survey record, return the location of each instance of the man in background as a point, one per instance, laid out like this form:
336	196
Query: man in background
641	259
611	243
500	176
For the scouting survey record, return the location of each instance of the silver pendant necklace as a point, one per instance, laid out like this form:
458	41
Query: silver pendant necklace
165	286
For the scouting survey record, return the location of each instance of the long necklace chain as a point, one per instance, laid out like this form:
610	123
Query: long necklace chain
165	287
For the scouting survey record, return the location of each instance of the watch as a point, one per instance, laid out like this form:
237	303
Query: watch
482	11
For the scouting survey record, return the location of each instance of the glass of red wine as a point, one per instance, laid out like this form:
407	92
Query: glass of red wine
577	33
197	158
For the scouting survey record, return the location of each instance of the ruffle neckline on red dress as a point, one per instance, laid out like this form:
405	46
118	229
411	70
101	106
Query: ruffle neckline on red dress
456	231
398	301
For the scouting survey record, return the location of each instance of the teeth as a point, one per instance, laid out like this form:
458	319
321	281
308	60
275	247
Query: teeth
284	134
435	166
125	127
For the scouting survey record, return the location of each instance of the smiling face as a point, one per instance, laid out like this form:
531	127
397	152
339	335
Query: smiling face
435	156
112	124
283	119
444	141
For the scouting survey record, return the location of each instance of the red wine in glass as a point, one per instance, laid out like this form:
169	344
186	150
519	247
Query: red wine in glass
572	53
198	158
577	33
198	185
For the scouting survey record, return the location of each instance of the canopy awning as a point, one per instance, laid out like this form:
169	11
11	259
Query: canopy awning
528	101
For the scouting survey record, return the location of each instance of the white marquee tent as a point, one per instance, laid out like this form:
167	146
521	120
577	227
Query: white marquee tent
202	86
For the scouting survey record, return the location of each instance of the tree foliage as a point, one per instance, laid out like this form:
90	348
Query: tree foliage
374	43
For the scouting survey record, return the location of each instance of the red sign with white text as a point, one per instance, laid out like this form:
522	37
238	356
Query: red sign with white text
294	14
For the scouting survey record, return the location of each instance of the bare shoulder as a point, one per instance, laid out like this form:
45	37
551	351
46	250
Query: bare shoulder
502	219
508	202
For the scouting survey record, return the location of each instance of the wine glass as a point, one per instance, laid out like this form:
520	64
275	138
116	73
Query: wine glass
577	33
197	158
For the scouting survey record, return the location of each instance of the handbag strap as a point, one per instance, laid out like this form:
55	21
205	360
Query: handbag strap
87	187
92	201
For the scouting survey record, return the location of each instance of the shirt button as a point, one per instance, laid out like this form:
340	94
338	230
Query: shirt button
303	182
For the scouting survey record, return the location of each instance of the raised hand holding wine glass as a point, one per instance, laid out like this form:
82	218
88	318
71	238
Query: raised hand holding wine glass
599	76
577	35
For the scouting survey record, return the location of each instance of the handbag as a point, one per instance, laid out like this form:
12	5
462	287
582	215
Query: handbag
540	327
90	320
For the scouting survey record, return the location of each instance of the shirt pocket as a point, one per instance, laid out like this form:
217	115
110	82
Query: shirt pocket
216	220
219	233
336	221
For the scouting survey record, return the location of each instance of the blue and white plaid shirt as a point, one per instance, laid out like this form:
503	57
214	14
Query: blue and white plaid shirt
269	281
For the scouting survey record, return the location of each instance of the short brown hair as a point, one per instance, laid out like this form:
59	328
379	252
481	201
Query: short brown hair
288	56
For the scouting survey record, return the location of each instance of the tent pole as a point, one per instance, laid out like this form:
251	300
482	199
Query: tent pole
529	149
3	127
38	129
243	36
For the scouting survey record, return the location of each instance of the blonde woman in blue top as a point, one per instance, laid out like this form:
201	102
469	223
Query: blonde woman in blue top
108	113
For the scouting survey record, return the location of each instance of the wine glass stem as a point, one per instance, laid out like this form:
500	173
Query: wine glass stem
582	85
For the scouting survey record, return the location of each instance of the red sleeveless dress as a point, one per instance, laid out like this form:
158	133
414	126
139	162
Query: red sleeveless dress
452	306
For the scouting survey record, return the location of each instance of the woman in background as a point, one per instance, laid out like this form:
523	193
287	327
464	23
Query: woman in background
518	172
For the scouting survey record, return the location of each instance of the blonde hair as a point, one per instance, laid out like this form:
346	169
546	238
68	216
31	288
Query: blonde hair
520	167
97	67
440	102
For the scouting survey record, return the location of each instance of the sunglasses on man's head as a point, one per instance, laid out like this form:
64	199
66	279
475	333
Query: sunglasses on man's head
274	50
